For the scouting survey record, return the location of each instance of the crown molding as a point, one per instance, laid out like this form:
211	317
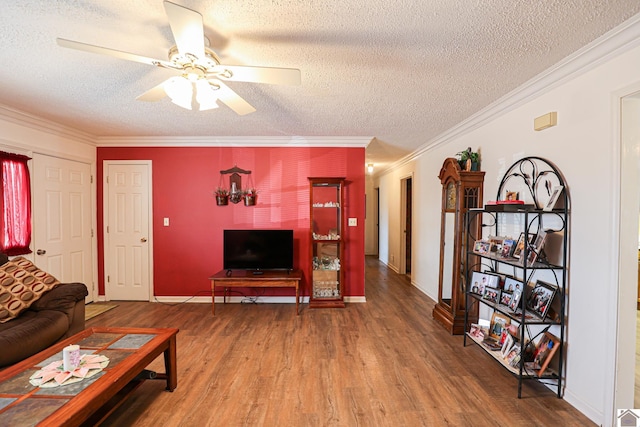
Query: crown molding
234	141
620	39
40	124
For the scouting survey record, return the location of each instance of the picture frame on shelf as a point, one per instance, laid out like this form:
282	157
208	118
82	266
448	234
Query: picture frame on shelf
505	298
553	198
495	243
482	247
541	298
522	241
498	322
554	247
491	295
481	280
508	245
511	196
513	357
535	248
506	346
544	351
517	287
477	331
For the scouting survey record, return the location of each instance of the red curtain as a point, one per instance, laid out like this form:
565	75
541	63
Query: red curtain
16	204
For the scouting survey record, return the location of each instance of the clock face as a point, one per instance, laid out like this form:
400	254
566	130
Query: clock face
451	197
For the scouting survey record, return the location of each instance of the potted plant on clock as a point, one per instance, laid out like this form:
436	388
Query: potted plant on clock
469	160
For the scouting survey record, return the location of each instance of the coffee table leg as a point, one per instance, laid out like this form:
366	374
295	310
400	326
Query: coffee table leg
171	365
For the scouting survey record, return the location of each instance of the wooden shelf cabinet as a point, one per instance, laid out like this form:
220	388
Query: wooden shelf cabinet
327	223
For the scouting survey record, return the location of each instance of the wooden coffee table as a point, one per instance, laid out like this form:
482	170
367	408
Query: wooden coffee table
90	401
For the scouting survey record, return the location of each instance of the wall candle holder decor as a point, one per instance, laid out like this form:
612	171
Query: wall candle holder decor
234	192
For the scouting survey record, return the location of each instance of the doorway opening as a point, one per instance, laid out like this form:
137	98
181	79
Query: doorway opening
405	220
625	384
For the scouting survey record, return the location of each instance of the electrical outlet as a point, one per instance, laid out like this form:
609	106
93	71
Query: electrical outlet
353	222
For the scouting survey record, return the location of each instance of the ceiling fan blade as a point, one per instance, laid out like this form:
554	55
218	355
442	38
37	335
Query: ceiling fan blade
232	99
276	76
112	52
187	28
154	94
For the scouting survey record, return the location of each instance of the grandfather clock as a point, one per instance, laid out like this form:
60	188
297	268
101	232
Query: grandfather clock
461	190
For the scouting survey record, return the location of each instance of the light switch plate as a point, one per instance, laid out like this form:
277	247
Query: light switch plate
166	222
353	222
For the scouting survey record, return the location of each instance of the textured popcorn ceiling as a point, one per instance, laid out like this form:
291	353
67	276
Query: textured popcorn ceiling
400	71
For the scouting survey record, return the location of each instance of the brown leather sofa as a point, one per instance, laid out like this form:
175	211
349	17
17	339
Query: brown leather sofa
58	314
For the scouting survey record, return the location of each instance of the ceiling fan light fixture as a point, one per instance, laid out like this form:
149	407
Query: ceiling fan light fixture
193	58
180	90
205	95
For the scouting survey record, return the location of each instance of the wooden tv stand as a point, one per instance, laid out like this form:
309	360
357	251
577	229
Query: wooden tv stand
248	279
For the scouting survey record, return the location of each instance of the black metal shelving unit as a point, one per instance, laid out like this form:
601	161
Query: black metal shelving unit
537	177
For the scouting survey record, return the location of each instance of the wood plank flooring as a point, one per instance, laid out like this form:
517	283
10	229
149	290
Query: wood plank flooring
380	363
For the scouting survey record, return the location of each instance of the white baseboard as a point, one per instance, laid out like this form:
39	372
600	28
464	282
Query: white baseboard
261	299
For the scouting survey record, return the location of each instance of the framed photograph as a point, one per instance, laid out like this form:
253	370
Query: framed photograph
480	281
507	248
495	242
536	247
553	199
477	331
482	247
516	287
541	298
519	248
511	195
498	322
545	349
513	357
506	346
505	298
491	294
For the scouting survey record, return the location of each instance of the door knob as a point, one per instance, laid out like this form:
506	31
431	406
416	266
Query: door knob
143	239
41	252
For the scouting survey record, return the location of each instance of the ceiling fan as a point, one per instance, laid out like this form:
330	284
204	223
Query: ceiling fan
200	83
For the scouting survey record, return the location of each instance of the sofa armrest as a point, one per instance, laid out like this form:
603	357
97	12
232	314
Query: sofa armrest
61	298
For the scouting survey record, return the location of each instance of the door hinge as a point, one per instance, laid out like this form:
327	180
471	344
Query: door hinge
91	180
107	229
108	279
92	232
107	179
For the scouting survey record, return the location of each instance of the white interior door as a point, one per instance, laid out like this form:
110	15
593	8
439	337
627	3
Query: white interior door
62	219
127	189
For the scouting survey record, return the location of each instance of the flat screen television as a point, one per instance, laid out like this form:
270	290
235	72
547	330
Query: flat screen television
258	250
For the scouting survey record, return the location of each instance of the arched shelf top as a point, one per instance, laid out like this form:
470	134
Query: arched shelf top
540	177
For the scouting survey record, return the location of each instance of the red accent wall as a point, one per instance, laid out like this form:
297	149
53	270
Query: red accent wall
187	252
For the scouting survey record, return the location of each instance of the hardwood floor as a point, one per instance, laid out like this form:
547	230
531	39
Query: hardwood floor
380	363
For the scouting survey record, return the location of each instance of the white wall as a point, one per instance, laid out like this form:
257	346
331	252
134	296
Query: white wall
584	147
26	134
